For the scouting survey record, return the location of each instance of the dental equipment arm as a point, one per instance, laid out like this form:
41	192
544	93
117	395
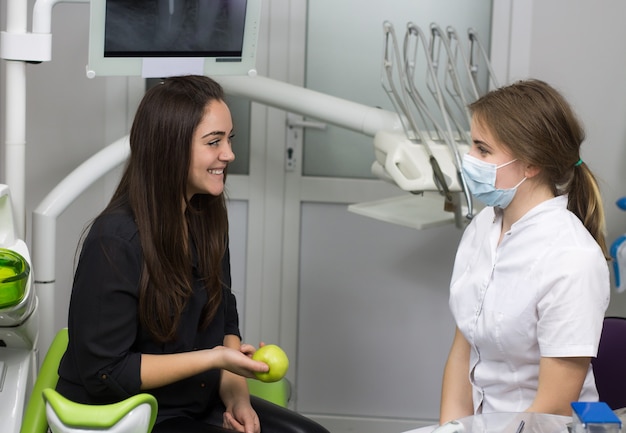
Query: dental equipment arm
473	62
460	59
398	99
414	32
340	112
387	80
437	41
412	39
385	126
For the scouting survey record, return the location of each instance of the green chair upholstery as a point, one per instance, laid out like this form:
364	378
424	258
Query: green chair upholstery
276	392
126	415
35	414
35	420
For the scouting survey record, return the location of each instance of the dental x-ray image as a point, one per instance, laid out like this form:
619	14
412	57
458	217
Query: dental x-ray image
174	28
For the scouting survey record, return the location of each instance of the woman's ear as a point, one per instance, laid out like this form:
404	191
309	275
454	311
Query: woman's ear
531	170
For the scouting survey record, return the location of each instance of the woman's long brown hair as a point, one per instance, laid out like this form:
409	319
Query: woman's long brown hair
154	186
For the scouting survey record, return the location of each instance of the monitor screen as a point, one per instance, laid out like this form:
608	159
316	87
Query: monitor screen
160	38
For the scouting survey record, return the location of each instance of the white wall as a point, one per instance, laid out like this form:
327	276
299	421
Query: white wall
577	45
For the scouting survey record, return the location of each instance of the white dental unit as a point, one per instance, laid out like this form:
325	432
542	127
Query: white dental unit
418	147
19	322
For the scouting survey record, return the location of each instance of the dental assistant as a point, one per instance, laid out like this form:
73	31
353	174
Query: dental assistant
530	282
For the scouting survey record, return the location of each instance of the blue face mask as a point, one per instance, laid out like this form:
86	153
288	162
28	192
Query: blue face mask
480	177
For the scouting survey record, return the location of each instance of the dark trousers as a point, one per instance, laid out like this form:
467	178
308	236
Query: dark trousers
273	418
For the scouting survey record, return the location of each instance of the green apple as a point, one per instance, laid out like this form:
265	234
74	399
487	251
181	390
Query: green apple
275	358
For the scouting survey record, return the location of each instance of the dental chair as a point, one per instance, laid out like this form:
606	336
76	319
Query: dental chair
137	414
47	408
23	387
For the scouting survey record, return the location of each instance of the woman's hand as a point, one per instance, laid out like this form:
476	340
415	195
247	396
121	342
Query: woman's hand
239	414
240	361
248	349
241	417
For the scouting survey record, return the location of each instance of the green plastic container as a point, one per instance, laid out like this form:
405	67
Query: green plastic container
14	270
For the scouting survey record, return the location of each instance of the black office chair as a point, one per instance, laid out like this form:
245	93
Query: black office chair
609	367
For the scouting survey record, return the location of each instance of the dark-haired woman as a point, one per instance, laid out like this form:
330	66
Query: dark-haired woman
151	307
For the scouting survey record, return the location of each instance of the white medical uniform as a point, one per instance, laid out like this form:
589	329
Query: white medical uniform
542	292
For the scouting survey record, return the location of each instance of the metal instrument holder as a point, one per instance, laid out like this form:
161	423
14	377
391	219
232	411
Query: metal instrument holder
398	97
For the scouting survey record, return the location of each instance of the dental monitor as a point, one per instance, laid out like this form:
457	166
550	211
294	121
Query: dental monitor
161	38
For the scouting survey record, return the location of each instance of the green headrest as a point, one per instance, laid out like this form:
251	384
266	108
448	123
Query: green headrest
97	416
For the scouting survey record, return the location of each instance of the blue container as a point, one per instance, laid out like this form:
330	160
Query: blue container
594	417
